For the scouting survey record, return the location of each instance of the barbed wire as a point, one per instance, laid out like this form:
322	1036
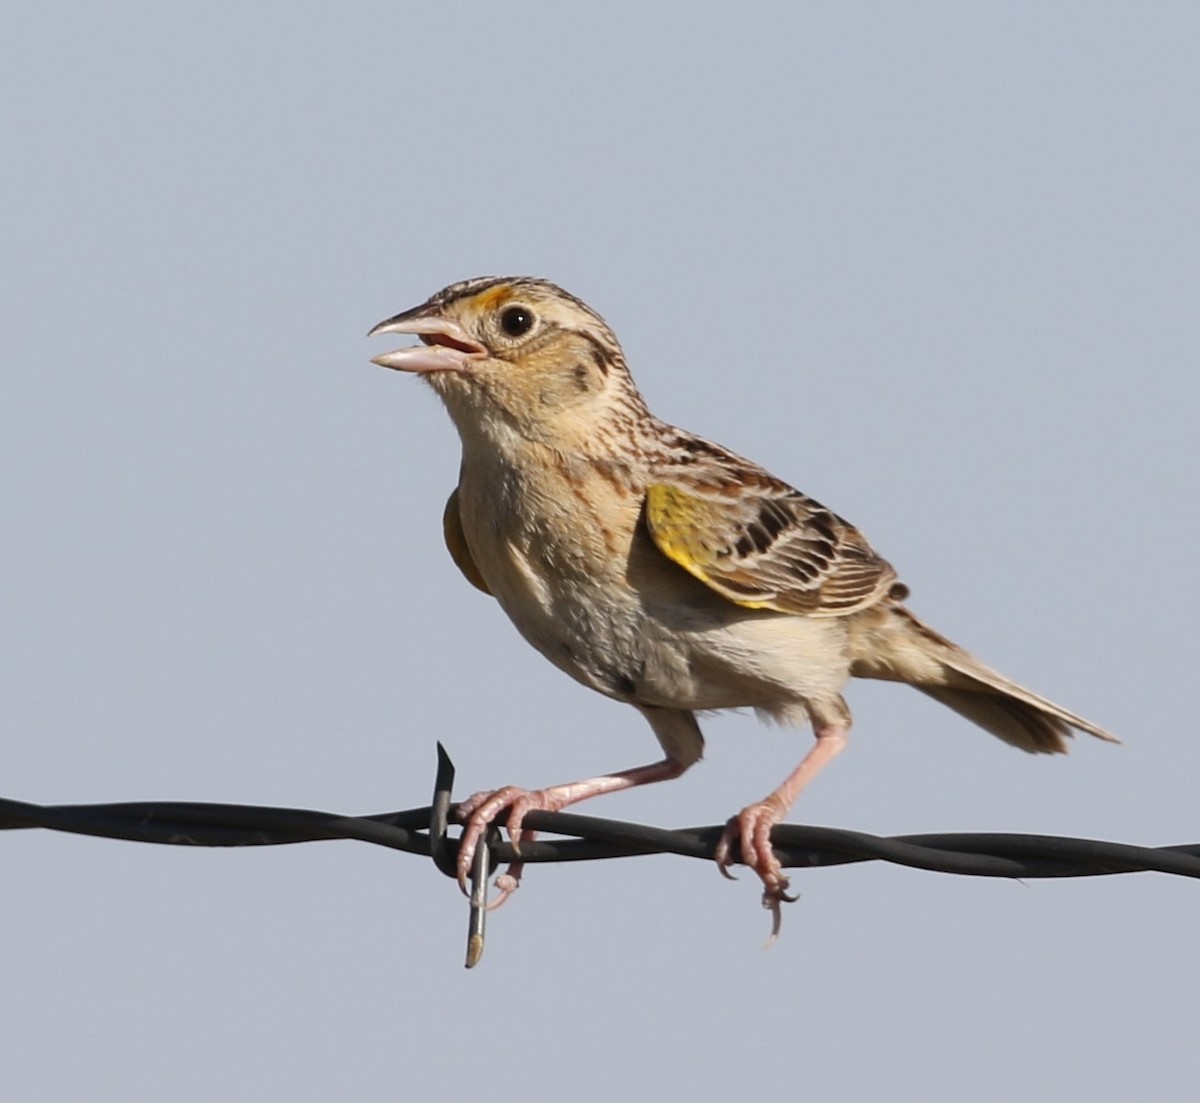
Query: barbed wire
424	831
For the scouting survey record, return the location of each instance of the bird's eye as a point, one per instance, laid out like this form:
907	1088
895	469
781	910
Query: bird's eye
516	320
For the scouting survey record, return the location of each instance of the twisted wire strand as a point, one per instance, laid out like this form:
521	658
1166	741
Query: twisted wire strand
423	831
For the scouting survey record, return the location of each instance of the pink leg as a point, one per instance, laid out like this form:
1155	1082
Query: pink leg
751	827
477	812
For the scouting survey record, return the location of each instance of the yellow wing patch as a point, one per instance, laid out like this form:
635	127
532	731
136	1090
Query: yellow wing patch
762	545
456	544
680	524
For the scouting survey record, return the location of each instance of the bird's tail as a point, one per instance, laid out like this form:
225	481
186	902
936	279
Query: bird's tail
894	645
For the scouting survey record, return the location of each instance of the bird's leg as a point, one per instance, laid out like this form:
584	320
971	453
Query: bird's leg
750	829
477	812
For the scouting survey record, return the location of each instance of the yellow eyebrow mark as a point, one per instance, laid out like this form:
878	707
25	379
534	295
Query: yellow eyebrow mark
493	296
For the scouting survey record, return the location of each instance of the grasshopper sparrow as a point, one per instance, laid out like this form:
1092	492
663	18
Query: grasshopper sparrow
662	569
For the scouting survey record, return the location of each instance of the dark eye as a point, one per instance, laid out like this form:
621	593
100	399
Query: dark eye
516	320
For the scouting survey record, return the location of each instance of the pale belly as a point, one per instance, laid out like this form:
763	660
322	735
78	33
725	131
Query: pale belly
660	638
568	559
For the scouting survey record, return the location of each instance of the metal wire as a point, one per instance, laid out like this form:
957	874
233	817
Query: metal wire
185	823
425	830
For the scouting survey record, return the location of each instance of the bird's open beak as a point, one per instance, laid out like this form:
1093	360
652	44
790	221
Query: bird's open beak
445	346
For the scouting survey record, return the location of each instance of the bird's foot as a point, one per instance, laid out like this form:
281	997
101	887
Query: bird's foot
507	882
749	833
476	814
510	880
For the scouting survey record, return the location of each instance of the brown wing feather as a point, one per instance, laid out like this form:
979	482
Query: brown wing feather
760	542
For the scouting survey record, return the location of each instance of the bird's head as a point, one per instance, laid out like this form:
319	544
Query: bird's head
514	352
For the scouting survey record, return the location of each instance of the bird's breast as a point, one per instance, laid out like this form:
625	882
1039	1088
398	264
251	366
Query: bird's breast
566	554
553	541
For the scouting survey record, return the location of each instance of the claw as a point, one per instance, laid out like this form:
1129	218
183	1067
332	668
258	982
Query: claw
750	832
771	900
721	854
476	814
771	903
506	884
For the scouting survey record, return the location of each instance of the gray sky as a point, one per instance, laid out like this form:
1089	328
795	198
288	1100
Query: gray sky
935	264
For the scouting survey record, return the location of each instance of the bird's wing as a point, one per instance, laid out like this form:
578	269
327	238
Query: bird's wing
764	545
456	543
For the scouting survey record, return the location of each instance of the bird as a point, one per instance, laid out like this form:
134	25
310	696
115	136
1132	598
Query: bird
661	569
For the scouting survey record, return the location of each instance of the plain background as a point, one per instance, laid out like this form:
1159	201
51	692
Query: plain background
936	264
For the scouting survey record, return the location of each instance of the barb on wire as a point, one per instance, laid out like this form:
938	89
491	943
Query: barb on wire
424	831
